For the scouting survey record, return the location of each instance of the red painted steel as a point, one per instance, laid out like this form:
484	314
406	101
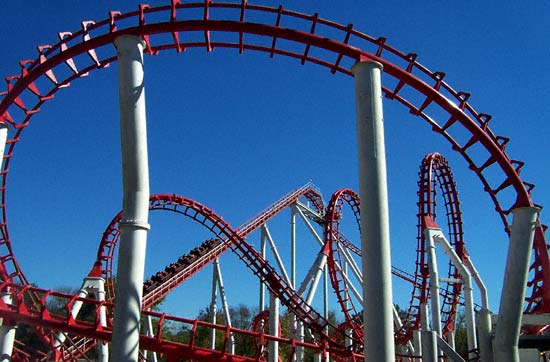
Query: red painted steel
260	324
332	237
40	315
57	67
163	282
228	239
435	174
177	274
353	47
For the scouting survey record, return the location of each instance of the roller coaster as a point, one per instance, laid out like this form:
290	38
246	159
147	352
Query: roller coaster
70	336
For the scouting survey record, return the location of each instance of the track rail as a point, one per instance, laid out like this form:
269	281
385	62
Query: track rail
163	282
90	48
336	262
159	342
79	53
177	274
435	174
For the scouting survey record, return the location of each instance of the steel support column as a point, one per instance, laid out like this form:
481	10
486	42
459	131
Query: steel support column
505	343
428	337
213	306
468	291
261	303
434	280
273	346
485	331
225	305
295	328
103	347
3	139
135	203
7	333
377	285
150	356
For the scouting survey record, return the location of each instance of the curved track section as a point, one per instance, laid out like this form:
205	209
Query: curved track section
165	281
56	66
435	173
336	260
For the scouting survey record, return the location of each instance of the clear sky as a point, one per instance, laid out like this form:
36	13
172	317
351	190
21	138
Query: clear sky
236	132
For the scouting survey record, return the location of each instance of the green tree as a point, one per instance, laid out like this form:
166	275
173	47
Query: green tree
461	337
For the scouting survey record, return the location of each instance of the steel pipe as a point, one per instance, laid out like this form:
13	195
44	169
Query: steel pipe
508	326
135	203
7	331
225	305
213	306
273	345
468	292
428	338
434	279
377	284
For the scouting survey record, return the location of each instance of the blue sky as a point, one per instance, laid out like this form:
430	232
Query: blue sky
235	132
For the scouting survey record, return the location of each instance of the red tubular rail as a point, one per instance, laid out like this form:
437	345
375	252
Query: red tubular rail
56	66
435	173
39	315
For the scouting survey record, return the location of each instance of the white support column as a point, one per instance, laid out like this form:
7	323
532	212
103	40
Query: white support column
135	203
377	285
429	234
261	306
273	346
92	287
275	253
505	343
312	278
310	227
300	336
429	337
99	291
7	333
150	356
294	322
293	246
325	299
60	337
224	304
3	139
484	328
417	343
468	291
213	306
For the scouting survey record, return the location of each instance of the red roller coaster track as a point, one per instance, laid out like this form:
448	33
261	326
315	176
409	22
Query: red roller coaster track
435	173
177	273
56	66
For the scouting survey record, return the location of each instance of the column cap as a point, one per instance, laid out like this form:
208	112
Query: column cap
370	64
123	41
526	209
